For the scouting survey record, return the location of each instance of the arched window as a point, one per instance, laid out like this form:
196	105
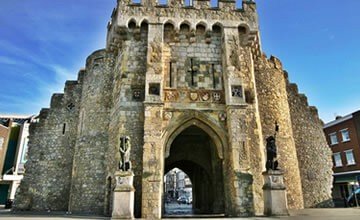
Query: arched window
217	28
200	29
184	28
132	24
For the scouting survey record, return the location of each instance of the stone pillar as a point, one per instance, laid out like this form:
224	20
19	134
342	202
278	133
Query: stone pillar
153	153
275	202
153	163
240	115
123	199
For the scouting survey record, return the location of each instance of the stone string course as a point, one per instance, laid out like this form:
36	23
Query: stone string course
125	90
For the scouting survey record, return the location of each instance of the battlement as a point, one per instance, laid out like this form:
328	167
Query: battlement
132	14
191	4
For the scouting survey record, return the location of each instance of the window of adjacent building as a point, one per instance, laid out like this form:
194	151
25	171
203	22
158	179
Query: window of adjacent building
333	139
350	157
337	160
24	151
345	135
1	142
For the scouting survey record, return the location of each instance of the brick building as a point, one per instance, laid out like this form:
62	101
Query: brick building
343	136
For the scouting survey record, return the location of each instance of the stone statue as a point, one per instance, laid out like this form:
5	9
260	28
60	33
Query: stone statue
124	150
271	151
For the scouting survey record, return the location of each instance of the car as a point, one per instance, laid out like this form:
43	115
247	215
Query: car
189	200
182	200
351	201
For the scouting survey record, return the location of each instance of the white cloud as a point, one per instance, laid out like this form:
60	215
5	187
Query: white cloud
9	61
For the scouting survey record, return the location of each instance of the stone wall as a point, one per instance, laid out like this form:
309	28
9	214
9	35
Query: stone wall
313	153
46	185
193	58
127	117
88	176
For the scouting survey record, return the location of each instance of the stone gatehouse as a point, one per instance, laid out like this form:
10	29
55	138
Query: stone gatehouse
190	86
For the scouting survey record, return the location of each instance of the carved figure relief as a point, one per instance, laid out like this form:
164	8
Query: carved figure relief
234	54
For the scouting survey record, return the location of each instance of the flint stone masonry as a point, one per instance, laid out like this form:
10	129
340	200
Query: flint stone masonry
192	89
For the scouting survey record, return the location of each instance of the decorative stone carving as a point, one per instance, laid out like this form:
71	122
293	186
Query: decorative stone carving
137	94
193	96
171	96
222	116
167	115
205	96
216	96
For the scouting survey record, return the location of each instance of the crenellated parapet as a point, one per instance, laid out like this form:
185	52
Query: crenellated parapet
129	16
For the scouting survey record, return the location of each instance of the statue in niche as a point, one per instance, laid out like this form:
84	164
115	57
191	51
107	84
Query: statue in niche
124	149
271	151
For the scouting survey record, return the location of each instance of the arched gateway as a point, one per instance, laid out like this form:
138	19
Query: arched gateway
191	89
197	149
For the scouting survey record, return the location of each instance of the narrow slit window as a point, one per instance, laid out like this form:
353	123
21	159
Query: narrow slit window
138	2
213	75
170	75
64	128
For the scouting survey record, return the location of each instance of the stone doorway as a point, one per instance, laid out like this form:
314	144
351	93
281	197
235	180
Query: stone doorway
194	152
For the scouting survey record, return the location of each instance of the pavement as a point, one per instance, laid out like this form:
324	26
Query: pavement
308	214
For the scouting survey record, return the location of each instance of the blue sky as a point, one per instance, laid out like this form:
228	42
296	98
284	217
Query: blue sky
43	43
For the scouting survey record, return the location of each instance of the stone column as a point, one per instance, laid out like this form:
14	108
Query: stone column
123	199
153	156
239	187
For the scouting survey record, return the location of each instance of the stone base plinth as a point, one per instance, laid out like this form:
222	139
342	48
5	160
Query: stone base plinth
123	199
275	203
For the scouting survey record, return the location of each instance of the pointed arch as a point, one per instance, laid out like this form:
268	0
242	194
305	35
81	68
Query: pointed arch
217	27
199	120
203	23
188	23
131	23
